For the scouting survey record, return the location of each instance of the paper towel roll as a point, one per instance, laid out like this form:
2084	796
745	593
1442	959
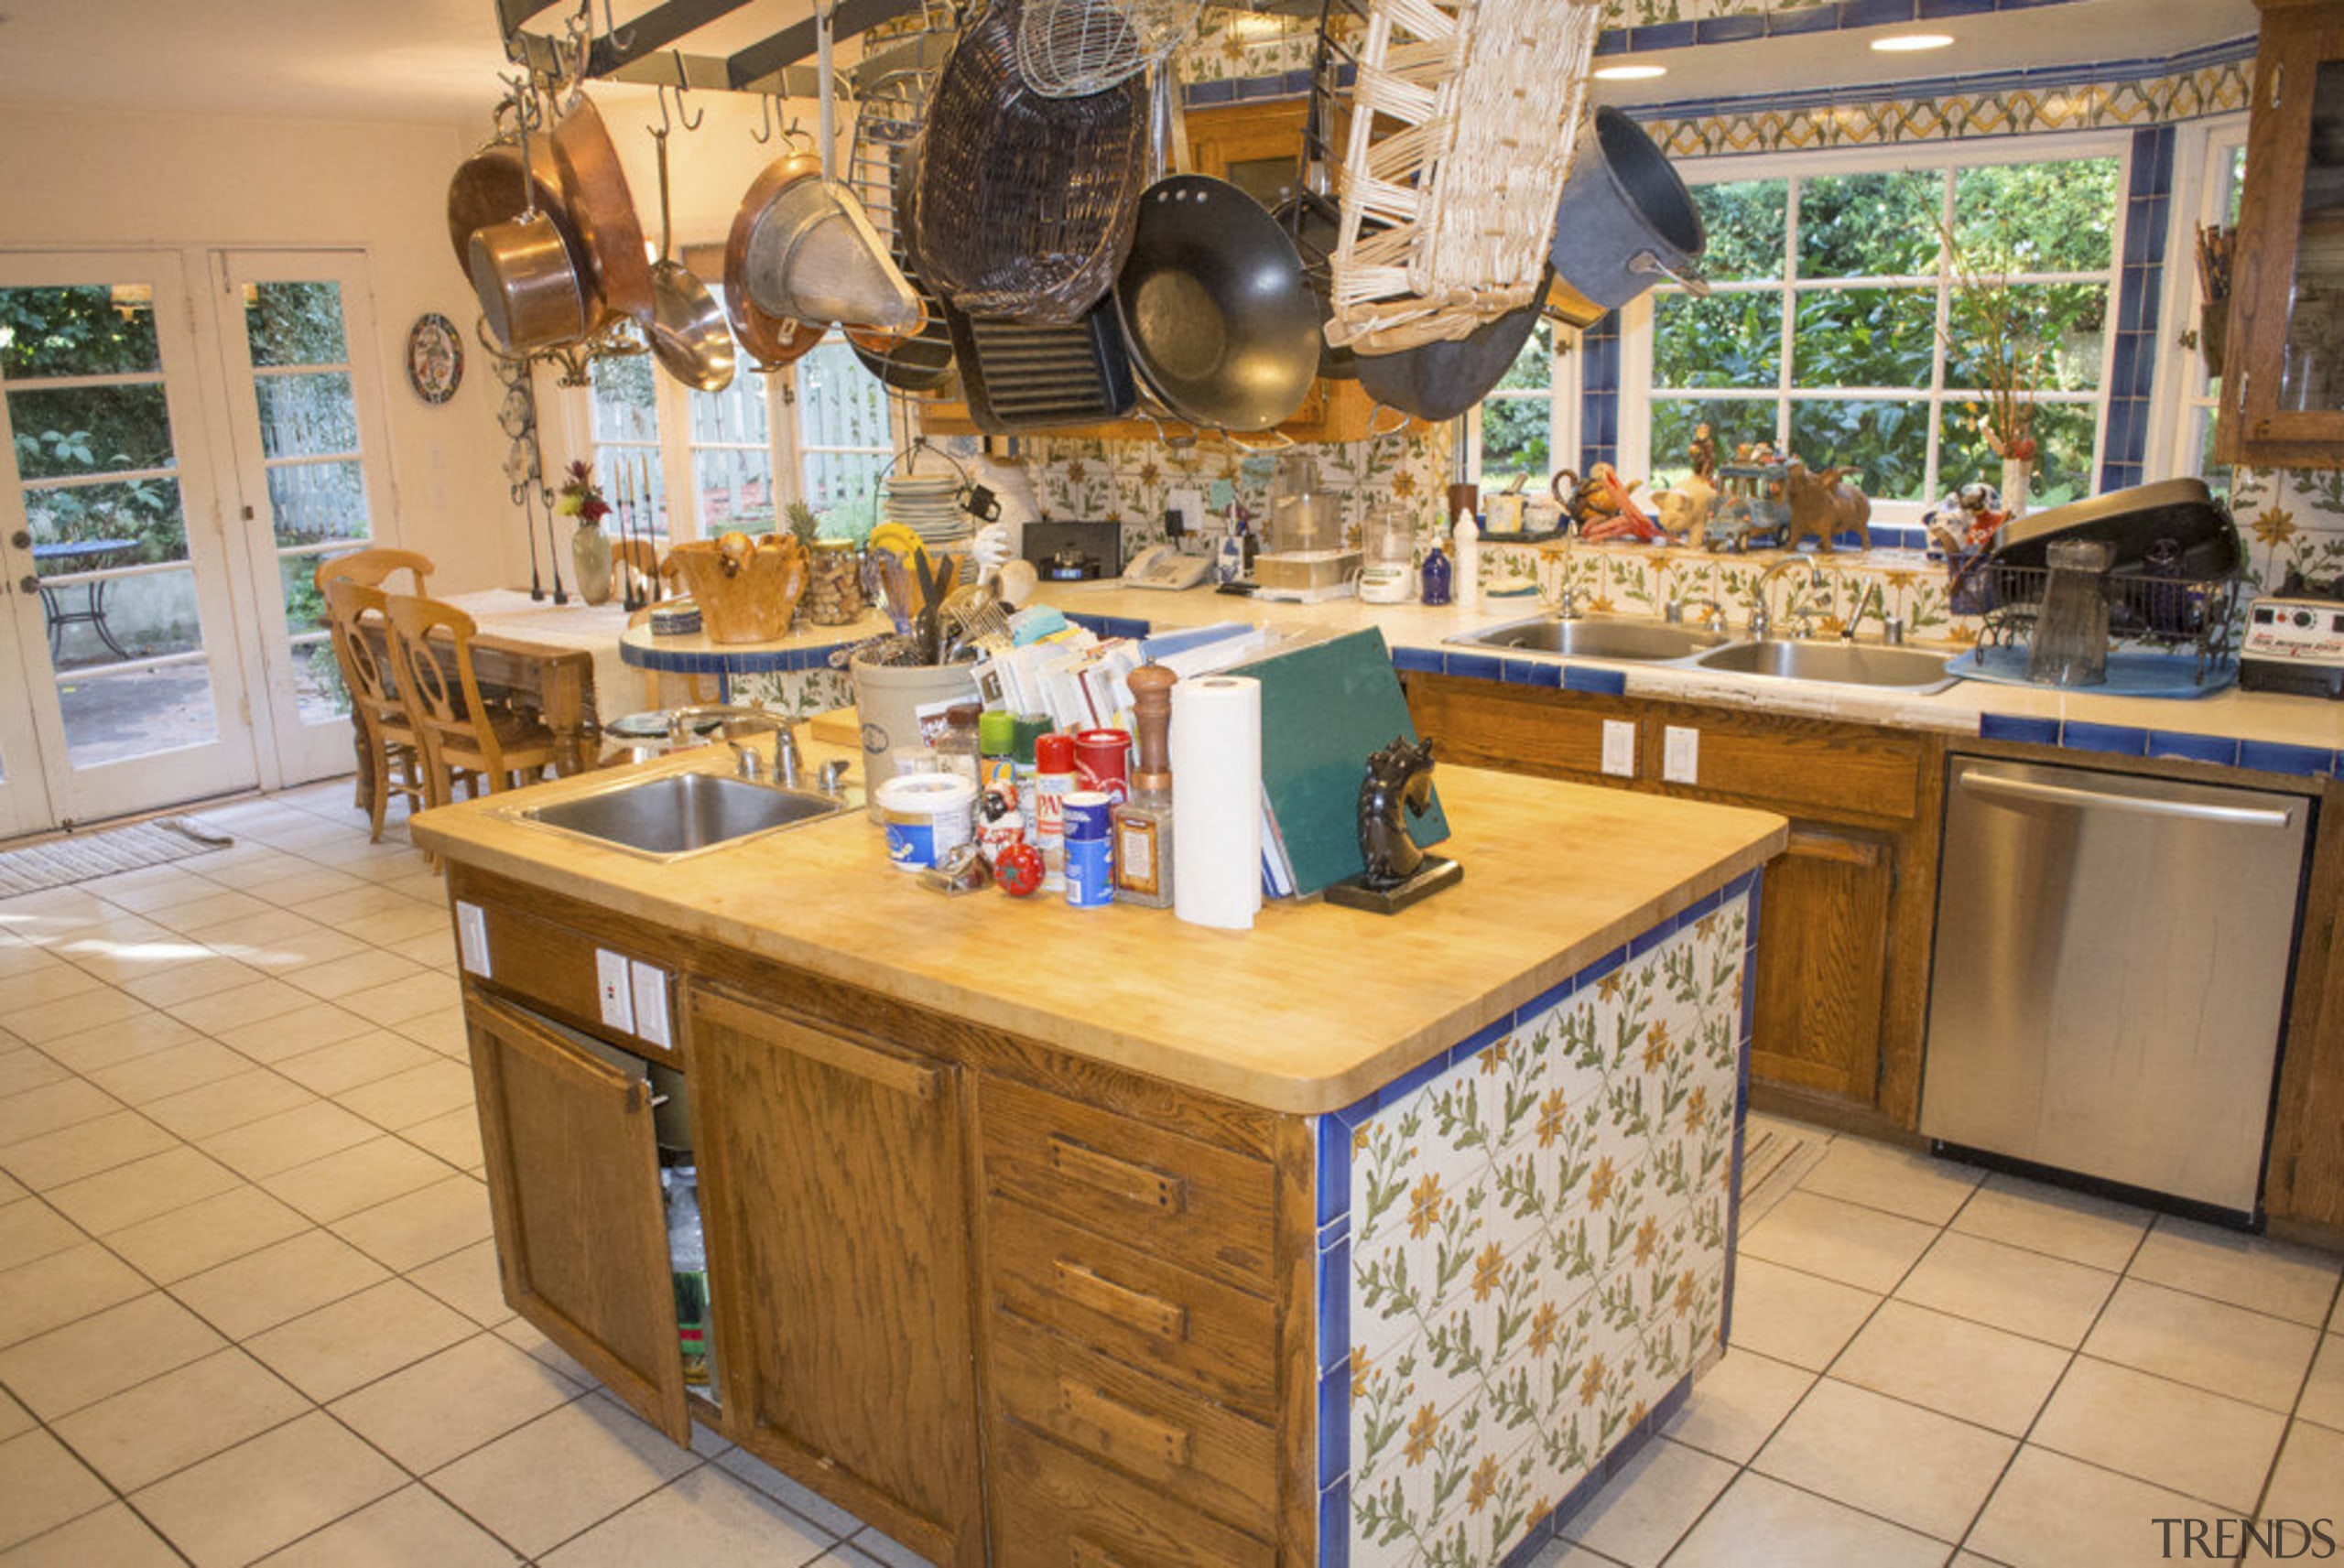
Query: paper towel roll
1217	801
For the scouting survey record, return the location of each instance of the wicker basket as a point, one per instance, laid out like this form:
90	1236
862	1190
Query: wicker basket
747	590
1026	204
1464	118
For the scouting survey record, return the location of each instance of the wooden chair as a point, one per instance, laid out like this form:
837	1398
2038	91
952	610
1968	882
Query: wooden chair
640	556
461	733
371	568
390	750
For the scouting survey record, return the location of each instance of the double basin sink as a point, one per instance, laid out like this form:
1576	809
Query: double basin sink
1665	643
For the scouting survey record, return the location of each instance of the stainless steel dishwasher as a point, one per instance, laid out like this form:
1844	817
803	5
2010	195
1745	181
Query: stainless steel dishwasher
2113	959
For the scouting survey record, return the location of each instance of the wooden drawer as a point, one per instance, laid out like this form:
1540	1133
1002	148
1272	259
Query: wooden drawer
1180	1443
1053	1509
552	968
1519	729
1804	767
1205	1208
1176	1322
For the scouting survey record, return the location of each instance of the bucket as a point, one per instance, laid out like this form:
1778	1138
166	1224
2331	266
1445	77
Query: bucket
903	705
1625	219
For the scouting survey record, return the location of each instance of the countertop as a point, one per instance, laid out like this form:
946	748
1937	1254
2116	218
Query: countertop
1310	1010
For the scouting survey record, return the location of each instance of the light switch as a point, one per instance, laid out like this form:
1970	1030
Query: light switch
650	986
1620	747
618	994
471	939
1680	755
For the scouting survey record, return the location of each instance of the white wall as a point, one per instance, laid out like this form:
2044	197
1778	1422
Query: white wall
88	179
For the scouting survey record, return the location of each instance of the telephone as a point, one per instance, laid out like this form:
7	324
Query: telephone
1163	566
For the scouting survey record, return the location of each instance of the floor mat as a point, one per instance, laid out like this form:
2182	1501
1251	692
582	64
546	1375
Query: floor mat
84	857
1775	1156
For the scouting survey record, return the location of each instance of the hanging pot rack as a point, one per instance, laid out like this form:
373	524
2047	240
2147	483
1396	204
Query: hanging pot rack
654	47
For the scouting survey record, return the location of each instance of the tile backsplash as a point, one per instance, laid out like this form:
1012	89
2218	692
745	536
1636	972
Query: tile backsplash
2289	517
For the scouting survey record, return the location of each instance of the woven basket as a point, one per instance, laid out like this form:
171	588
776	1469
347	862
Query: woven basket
1026	204
744	595
1464	118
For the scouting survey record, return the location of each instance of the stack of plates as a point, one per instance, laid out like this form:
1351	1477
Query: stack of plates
930	505
678	618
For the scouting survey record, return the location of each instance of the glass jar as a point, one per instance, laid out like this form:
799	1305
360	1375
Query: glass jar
833	584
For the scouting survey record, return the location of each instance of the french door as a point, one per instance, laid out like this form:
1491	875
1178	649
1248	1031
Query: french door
122	688
305	420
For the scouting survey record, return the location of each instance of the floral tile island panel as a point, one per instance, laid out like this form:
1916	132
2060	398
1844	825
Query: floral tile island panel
1527	1250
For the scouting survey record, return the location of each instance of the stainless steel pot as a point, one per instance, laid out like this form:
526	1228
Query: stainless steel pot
689	336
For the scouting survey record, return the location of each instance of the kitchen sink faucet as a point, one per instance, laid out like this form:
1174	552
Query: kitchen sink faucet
1762	622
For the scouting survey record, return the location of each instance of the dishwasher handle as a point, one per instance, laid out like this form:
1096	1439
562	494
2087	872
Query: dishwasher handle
2140	806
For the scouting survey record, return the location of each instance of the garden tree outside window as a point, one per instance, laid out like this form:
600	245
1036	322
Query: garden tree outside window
1836	330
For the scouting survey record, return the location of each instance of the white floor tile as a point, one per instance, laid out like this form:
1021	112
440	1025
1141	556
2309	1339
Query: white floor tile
2162	1433
2008	1288
1925	1471
1737	1404
1795	1317
2051	1511
1645	1509
2273	1277
1953	1365
1761	1524
1845	1241
2205	1343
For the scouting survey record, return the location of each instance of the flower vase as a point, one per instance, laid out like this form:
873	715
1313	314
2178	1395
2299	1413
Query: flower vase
2017	473
590	551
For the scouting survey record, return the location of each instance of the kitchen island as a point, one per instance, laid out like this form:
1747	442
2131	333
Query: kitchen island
1039	1235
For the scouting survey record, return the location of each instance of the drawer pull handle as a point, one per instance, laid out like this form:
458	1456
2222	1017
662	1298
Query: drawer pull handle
1119	1178
1083	1555
1151	1314
1114	1424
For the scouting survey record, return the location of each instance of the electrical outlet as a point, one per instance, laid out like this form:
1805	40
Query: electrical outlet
1620	747
471	939
649	983
1680	755
618	990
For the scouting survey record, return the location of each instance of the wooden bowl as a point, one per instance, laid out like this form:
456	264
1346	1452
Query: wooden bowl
748	589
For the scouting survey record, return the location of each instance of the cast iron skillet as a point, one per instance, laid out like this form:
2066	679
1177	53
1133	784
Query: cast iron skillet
1439	380
1221	324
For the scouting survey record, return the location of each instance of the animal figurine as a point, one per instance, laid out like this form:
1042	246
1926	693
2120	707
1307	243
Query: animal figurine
1704	453
1400	775
1601	505
1821	504
1683	510
1965	519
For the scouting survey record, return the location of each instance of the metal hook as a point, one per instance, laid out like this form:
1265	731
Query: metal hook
683	85
611	28
764	137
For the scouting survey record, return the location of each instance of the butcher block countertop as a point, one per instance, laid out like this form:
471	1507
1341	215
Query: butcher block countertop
1310	1010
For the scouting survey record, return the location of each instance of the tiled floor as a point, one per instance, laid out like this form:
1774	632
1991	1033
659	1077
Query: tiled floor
248	1307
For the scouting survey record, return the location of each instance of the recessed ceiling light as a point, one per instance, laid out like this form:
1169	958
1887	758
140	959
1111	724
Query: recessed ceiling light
1630	72
1912	43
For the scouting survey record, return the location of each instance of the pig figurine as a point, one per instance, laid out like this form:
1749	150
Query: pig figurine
1821	504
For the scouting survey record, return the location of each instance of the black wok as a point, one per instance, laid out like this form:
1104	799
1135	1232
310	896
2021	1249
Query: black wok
1222	324
1439	380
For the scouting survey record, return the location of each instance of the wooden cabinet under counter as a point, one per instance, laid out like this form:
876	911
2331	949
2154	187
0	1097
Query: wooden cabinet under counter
1088	1238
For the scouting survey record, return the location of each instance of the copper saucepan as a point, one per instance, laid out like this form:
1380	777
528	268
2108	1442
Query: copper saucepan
524	274
772	341
593	186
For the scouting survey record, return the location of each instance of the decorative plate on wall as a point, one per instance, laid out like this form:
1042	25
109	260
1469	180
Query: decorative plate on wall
435	358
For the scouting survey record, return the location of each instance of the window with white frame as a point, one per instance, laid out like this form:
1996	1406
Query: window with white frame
707	463
1521	424
2200	390
1835	327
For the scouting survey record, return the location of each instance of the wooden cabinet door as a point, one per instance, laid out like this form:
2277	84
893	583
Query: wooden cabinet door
573	1181
836	1203
1823	952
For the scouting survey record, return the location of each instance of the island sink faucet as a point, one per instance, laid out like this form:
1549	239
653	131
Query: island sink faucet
1762	621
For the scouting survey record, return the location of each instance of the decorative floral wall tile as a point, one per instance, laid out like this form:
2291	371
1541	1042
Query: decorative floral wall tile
800	693
1538	1239
2289	518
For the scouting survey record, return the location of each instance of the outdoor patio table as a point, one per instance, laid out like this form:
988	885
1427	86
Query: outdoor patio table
70	553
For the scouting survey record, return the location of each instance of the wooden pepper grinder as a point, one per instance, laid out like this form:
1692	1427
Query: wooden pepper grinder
1144	822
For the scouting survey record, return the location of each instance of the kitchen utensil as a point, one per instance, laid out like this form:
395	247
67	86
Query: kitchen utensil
772	341
1019	376
890	583
593	184
1025	203
481	193
1388	573
2070	645
1218	319
526	279
1465	115
1625	221
688	337
920	362
938	574
1070	48
1441	380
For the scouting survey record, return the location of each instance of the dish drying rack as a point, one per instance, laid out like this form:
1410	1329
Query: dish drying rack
2172	610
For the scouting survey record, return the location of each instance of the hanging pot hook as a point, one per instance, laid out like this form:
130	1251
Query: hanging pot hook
764	137
683	84
611	29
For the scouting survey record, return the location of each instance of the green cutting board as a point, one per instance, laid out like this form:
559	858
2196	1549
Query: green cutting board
1325	708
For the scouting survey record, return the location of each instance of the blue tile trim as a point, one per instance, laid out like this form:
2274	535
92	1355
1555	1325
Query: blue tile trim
2195	748
1533	671
2121	740
1601	683
1480	1040
1599	373
1477	666
2011	727
1335	1525
1729	30
1418	661
1334	1415
1661	36
746	662
2270	757
1334	1169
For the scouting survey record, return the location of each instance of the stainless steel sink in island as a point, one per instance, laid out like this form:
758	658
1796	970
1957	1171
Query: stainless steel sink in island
1040	1235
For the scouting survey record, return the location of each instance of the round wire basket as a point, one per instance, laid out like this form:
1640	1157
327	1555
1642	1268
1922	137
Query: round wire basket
1071	49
